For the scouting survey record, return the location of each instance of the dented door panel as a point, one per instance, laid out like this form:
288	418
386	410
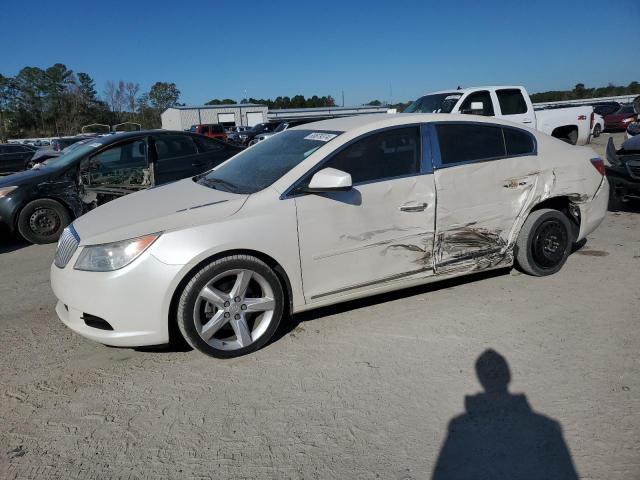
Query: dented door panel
374	234
481	207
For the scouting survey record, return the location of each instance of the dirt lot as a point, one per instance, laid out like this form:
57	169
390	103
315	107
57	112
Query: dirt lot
363	390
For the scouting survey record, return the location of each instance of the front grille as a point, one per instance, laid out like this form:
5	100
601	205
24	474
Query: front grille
67	246
634	169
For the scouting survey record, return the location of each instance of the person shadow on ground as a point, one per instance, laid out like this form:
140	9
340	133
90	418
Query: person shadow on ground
500	437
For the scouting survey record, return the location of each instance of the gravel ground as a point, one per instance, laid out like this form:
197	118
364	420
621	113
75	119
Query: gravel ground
363	390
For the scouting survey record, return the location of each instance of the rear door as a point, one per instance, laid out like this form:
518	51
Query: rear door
15	158
486	176
176	157
513	106
379	232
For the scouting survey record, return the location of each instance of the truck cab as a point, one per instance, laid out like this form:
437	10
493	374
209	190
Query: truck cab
211	130
511	103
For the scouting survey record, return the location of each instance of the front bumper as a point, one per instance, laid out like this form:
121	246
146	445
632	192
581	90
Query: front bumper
133	300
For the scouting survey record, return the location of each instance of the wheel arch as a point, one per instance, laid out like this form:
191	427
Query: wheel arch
16	215
283	277
564	204
564	131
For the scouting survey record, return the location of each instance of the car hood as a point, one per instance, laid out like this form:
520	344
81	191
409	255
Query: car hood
174	206
27	177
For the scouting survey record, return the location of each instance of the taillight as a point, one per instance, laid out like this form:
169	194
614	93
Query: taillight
591	121
598	164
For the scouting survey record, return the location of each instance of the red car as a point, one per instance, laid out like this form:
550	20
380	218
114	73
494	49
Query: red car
620	119
212	130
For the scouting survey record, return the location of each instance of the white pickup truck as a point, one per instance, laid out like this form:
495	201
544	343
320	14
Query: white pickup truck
571	124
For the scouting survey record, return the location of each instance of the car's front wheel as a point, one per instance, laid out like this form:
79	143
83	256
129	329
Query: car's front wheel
231	307
544	242
597	131
43	220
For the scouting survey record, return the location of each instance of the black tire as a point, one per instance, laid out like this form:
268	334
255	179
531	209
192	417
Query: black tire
43	220
544	242
187	304
597	131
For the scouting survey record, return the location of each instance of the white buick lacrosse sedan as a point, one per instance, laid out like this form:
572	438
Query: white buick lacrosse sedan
320	214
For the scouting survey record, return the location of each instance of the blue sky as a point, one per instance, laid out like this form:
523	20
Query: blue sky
220	49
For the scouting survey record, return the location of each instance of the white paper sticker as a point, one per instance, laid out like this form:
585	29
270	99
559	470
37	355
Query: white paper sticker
95	145
320	137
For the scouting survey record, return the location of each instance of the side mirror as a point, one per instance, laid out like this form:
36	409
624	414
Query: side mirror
329	180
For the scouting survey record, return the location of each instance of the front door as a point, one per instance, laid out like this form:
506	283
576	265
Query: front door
486	176
117	170
382	230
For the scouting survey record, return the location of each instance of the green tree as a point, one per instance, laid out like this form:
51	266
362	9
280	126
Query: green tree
163	95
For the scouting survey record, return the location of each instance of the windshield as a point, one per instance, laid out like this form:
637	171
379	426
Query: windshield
435	103
281	127
262	164
69	156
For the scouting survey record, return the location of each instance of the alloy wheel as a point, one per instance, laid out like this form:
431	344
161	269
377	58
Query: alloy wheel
234	309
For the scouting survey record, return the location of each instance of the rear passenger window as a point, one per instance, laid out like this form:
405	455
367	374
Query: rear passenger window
388	154
469	142
511	101
518	142
172	146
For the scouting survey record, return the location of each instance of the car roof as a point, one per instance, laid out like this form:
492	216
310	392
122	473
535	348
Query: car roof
382	120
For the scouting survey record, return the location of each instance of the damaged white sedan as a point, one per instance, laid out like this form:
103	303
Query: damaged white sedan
320	214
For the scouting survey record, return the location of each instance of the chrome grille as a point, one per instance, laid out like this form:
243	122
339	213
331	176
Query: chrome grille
67	246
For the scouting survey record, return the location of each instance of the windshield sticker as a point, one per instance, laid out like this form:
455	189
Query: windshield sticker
320	137
95	145
452	97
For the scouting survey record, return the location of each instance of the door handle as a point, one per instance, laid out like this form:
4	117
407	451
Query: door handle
526	120
420	207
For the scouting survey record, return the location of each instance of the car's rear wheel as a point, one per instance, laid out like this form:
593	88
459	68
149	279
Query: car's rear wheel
43	220
544	243
231	307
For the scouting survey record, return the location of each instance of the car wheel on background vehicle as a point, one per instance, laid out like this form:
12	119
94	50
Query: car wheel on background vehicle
231	307
597	131
544	242
43	220
253	142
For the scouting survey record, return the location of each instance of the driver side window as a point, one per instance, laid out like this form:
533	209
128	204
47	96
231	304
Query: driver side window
485	98
124	164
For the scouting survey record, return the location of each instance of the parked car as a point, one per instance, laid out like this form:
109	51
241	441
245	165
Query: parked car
633	129
280	128
59	144
620	120
598	125
43	154
623	171
212	130
605	108
248	135
40	203
14	157
355	206
571	124
233	133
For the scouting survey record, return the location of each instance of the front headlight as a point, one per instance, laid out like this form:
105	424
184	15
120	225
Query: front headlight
6	191
108	257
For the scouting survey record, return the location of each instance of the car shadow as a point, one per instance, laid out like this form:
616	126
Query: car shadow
9	243
500	437
291	322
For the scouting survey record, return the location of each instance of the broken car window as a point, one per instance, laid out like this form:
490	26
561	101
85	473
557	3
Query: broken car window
124	164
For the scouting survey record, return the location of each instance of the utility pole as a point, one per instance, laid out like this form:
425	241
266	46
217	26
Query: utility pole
343	97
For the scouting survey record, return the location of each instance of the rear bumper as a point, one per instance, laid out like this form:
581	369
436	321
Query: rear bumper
592	213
